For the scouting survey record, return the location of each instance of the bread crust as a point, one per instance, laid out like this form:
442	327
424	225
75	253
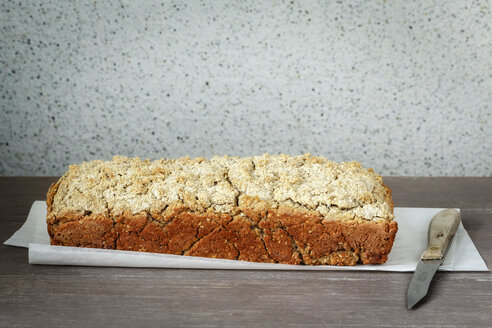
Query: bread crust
100	205
275	235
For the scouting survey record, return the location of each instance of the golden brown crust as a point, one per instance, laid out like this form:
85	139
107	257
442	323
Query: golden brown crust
273	209
307	183
271	236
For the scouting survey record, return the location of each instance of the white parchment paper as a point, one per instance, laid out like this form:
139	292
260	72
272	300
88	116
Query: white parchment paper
410	242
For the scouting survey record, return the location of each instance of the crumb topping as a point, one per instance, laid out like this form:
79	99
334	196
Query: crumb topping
222	184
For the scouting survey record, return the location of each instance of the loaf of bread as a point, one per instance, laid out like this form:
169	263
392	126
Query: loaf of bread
277	209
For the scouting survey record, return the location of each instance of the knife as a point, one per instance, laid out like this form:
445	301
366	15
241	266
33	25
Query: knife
442	228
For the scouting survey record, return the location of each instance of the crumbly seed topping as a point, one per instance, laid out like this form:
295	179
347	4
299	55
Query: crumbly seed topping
221	184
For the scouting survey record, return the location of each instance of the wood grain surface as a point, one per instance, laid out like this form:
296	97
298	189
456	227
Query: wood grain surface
42	296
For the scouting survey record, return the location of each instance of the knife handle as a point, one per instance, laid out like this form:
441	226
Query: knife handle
442	228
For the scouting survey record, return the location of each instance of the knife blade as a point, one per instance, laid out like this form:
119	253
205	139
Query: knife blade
442	229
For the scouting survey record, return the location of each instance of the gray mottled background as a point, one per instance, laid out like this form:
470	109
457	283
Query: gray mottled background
404	87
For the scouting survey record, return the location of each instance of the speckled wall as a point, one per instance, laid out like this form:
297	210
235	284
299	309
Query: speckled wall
402	86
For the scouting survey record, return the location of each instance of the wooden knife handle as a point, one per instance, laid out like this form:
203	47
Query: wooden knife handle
442	228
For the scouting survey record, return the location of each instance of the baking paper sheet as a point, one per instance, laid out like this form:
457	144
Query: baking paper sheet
410	242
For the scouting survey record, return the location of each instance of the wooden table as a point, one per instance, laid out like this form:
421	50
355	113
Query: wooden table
56	296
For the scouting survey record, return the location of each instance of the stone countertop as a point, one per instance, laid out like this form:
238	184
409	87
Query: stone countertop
403	87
